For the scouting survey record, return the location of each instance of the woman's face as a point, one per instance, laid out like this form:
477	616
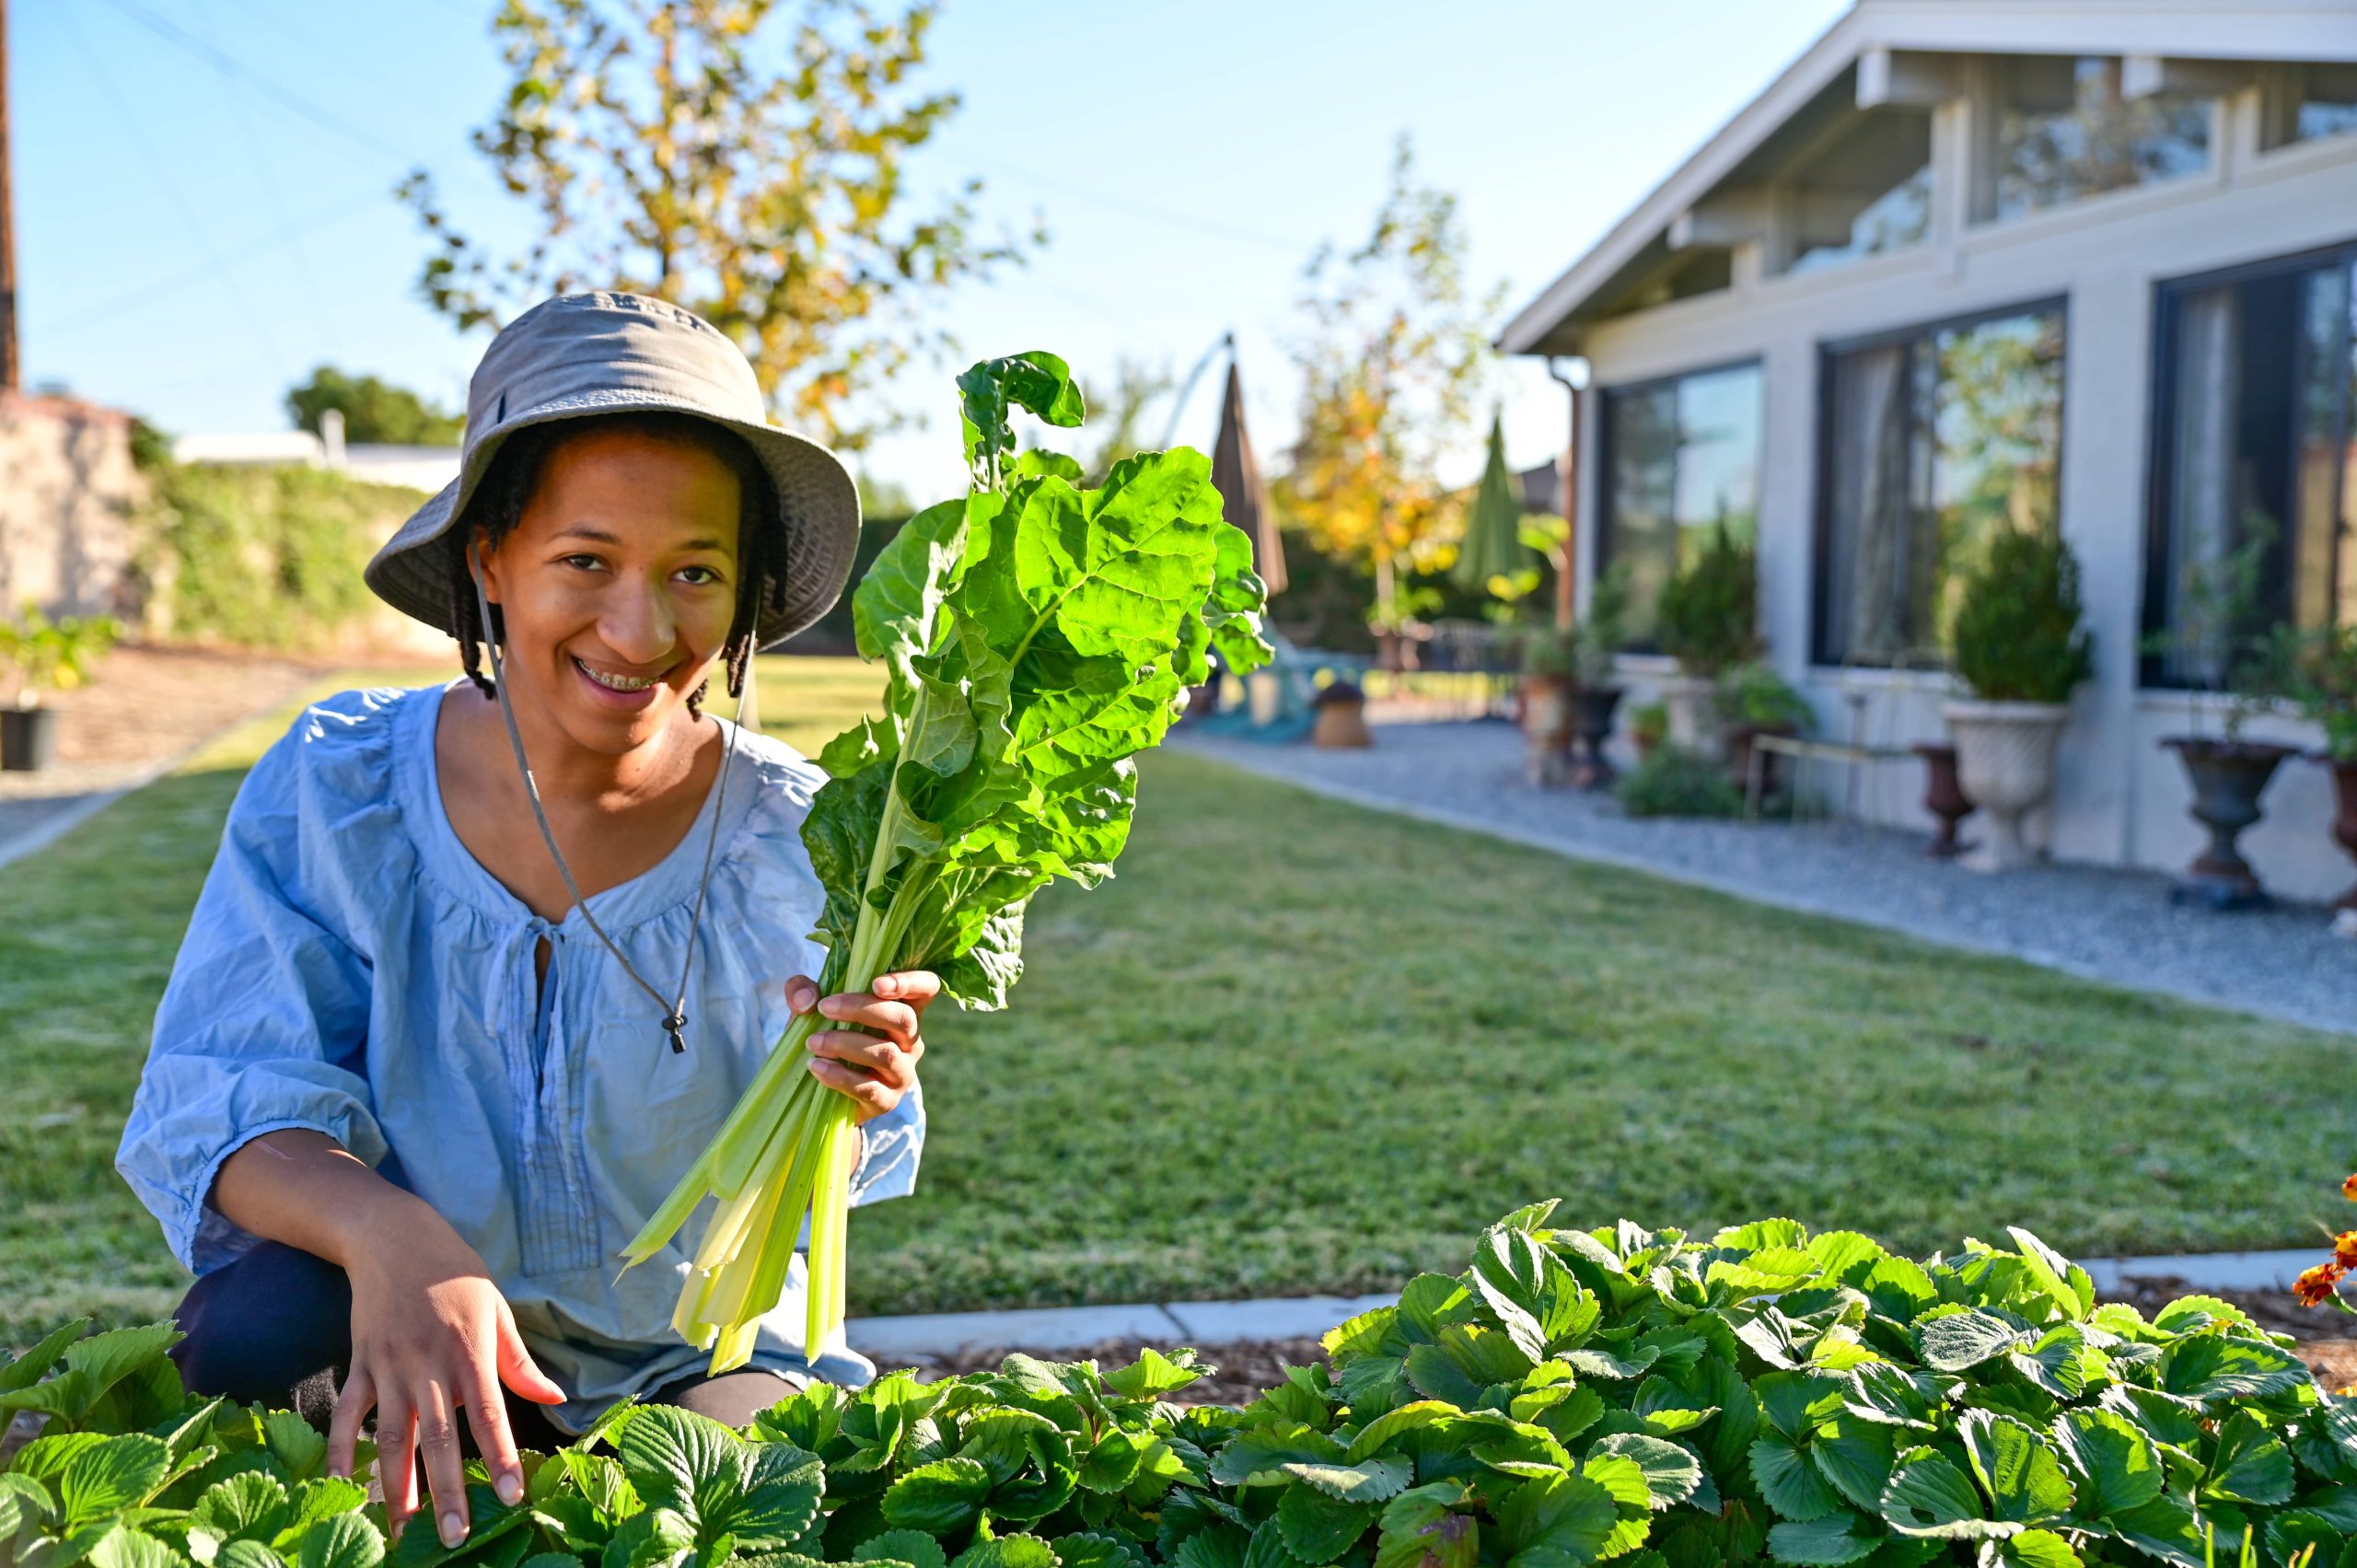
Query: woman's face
618	584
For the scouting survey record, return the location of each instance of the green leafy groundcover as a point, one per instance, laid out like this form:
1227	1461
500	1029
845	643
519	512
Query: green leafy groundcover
1574	1397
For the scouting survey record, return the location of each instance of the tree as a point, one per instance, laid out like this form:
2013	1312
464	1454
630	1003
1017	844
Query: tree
372	410
680	149
1393	364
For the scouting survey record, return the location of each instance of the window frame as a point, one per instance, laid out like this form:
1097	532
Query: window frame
1602	495
2160	453
1821	500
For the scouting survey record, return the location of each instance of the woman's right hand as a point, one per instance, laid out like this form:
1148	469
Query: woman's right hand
433	1341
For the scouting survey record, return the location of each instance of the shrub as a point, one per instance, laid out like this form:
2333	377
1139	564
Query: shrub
1709	612
264	557
2323	668
1755	694
2017	634
1574	1396
1678	782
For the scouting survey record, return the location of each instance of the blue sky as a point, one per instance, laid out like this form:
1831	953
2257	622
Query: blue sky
204	217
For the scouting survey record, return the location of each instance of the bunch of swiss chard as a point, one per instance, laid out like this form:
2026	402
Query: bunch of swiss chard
1036	636
1619	1395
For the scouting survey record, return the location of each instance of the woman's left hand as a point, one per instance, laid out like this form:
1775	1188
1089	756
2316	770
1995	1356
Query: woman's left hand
874	1069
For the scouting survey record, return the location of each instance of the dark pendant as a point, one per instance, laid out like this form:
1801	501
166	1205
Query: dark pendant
672	1025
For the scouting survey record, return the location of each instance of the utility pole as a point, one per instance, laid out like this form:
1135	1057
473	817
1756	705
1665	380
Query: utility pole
11	370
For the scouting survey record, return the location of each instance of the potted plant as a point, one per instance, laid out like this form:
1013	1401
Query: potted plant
1648	728
2322	665
1709	619
46	656
1595	641
1751	701
2217	601
1550	674
2019	651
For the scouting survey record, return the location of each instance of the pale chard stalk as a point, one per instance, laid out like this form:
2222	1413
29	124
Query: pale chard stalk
1036	636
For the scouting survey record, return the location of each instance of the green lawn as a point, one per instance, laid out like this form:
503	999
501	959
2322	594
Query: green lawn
1300	1046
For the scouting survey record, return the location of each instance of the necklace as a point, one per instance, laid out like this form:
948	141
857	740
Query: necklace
675	1012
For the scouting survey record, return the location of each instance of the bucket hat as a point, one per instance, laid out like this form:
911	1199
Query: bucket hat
580	355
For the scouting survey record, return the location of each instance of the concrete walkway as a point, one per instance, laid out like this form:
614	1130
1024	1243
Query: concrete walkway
2111	925
1203	1323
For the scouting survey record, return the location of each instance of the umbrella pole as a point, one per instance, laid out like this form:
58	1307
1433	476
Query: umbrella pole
1567	572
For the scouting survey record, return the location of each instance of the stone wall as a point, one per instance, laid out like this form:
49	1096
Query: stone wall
69	492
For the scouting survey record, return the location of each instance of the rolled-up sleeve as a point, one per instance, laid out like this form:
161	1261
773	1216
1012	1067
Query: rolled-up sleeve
890	1150
263	1026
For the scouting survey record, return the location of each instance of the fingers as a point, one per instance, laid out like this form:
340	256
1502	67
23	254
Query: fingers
882	1058
873	1095
517	1368
896	1021
915	987
397	1460
487	1418
352	1404
801	994
446	1474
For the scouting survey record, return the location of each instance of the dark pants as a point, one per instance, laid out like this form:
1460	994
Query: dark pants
275	1327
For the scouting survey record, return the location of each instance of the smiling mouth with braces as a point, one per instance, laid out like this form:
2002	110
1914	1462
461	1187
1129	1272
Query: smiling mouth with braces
615	682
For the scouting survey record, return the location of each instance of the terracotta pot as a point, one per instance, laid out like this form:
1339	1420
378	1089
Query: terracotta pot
1944	797
1547	725
1739	737
2005	760
1592	708
2344	829
2228	778
1341	717
28	739
1693	704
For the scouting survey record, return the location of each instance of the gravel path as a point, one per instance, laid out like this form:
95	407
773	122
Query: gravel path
2105	924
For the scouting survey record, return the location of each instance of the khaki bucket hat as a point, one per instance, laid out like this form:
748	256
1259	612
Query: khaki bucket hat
594	353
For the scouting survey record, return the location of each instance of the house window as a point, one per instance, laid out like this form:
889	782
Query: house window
1868	193
2064	131
1680	454
2253	461
2322	101
1932	440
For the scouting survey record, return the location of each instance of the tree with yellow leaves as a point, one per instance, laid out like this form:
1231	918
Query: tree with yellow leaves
682	149
1393	364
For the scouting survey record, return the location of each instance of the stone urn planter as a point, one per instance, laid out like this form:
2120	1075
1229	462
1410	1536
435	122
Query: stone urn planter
2228	777
1693	704
2004	763
1944	797
1549	722
1341	717
27	739
1592	709
2344	829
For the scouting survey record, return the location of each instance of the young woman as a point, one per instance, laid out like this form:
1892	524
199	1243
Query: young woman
481	968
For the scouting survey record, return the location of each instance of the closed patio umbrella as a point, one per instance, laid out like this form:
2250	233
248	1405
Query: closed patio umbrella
1235	475
1492	545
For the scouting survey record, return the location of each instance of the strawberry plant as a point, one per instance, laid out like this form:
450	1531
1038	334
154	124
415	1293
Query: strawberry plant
1618	1395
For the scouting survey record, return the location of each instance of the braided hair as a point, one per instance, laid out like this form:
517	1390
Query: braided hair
497	507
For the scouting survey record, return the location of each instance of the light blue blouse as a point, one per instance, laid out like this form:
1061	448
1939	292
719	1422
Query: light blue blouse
351	968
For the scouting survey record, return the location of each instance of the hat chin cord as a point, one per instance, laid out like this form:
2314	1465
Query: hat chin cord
675	1012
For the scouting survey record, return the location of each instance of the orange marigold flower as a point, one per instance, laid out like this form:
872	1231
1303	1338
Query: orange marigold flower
2344	1250
2315	1287
2349	1189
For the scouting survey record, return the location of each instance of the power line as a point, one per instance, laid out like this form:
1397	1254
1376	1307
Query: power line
1157	215
231	67
188	278
170	187
267	176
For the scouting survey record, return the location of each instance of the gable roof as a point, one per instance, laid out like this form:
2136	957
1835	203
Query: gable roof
1862	46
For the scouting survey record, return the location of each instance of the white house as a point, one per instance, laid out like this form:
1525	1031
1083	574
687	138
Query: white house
2083	263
